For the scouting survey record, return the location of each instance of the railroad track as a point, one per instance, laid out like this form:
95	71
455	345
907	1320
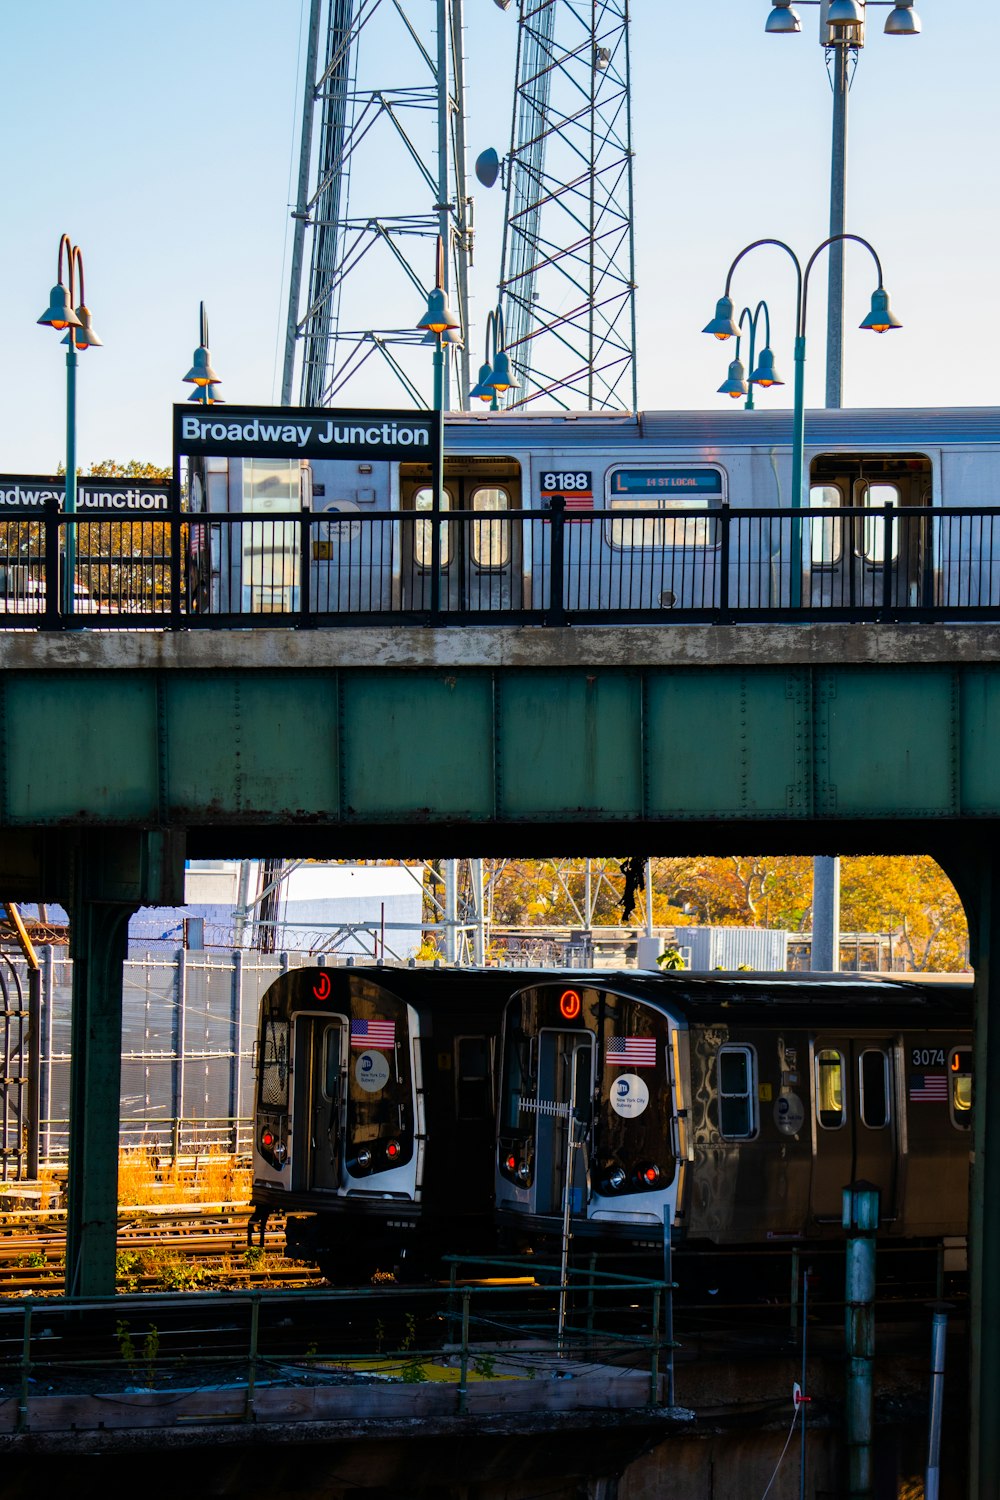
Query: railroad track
178	1248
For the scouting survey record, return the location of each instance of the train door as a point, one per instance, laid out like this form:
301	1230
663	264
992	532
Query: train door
481	552
863	561
564	1119
855	1122
319	1068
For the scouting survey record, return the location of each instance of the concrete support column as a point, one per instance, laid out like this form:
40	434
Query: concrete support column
98	938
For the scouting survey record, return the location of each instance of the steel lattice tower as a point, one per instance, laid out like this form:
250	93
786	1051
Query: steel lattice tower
386	177
567	281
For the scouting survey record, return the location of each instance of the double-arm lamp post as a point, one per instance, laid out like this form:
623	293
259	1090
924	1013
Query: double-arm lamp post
495	375
80	335
737	382
880	319
439	321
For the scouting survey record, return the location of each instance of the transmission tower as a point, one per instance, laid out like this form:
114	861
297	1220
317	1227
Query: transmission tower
567	280
386	177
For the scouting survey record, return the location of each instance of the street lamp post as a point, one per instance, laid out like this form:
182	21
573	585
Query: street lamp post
440	321
80	335
201	375
495	375
842	34
880	319
737	383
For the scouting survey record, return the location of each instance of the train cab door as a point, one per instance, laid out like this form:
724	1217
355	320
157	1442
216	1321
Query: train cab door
481	551
855	1122
319	1073
565	1107
862	561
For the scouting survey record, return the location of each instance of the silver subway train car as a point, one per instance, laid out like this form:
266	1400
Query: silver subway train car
731	1110
662	515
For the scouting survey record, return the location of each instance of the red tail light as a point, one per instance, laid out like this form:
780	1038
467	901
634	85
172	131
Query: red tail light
267	1140
392	1150
650	1175
511	1163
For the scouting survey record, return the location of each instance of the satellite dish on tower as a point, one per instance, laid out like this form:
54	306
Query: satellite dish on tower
488	167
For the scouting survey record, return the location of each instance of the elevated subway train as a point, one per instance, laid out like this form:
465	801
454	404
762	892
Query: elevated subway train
731	1110
404	1113
667	515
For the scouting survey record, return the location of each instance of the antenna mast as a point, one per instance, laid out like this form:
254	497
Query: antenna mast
368	206
567	280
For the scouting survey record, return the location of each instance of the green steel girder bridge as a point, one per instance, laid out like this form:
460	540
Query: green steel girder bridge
121	753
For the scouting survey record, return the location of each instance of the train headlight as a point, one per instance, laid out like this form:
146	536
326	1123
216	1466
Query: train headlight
280	1151
524	1171
364	1158
616	1179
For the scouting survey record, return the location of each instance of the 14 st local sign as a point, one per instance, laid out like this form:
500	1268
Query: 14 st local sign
303	432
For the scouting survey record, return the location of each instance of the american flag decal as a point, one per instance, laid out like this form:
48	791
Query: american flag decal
380	1034
630	1051
928	1088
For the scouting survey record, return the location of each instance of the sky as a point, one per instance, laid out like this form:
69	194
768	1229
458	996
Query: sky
165	143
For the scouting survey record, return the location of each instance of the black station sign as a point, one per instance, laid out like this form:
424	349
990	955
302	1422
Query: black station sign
47	492
302	432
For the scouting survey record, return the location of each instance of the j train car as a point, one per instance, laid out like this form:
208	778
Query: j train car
374	1112
370	542
731	1110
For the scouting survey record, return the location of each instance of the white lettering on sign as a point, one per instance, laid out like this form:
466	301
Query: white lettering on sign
23	493
200	429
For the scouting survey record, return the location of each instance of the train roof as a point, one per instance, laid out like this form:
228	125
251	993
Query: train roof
866	427
823	999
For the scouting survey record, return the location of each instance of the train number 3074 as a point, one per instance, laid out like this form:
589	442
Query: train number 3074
925	1057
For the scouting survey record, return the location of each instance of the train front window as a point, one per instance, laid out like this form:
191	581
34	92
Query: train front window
472	1078
274	1065
737	1093
830	1088
873	1077
379	1083
960	1087
490	539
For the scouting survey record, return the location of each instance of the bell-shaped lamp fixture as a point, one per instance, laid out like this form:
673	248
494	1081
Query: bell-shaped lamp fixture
86	338
484	389
881	319
208	395
59	313
844	13
765	373
902	20
450	336
722	325
438	317
201	372
502	376
735	384
783	20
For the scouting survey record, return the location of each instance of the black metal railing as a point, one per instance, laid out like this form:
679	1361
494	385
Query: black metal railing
630	565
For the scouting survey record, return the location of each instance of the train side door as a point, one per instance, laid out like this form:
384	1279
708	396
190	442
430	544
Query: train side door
319	1071
480	546
565	1101
855	1122
859	561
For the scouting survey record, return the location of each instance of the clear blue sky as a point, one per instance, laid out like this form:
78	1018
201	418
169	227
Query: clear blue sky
161	138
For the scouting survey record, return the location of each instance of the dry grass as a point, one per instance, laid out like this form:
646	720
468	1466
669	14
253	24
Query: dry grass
145	1177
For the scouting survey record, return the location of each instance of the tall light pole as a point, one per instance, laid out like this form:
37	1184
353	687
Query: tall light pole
201	375
80	335
842	35
441	324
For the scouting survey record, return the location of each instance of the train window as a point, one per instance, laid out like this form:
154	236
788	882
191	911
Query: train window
873	1077
274	1066
490	539
873	497
271	484
960	1087
472	1078
669	492
826	531
422	535
737	1093
830	1088
331	1061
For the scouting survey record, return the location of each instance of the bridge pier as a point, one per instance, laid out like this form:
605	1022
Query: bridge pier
110	877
